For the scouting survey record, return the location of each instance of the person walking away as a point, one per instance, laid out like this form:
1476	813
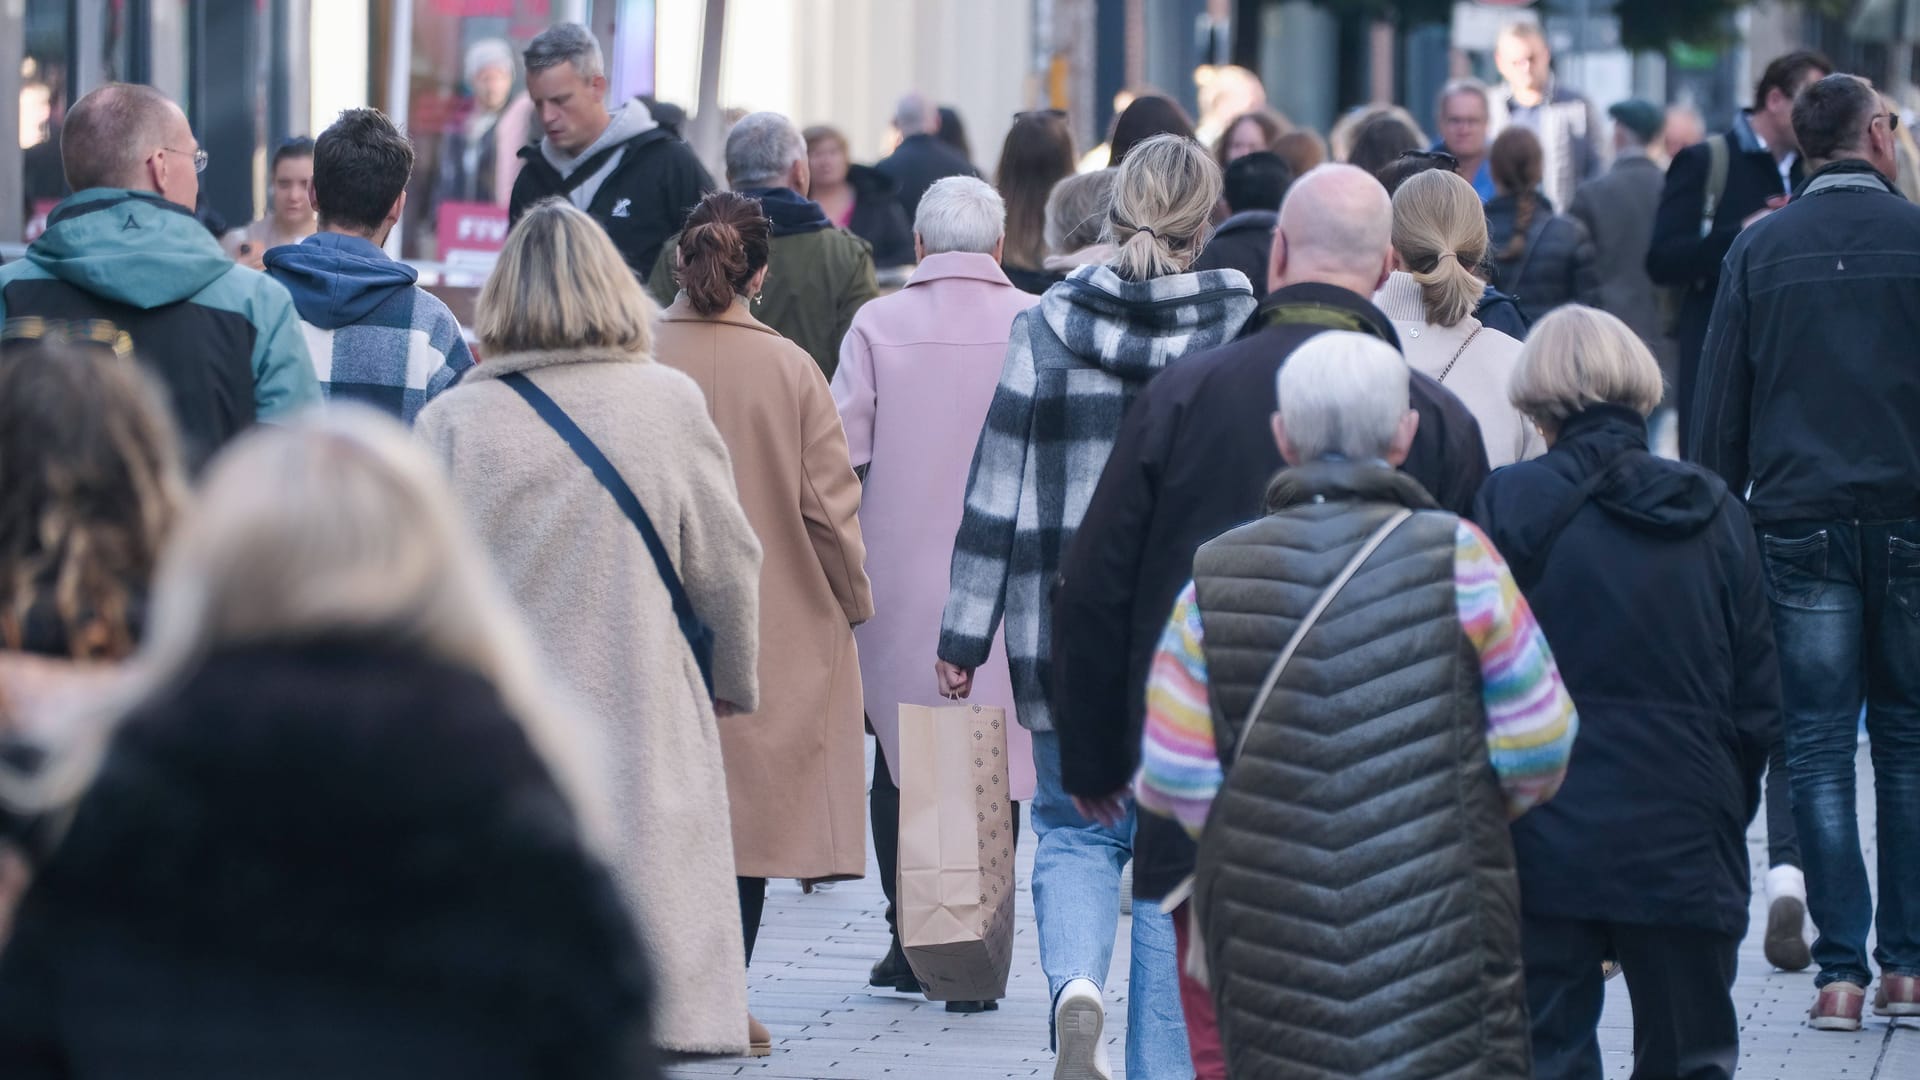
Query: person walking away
1255	185
1684	127
916	374
858	198
375	336
1036	156
124	247
1679	703
921	158
1496	310
1617	210
1542	257
1828	456
1077	221
1427	724
823	274
562	320
1439	236
1192	460
331	803
291	218
795	768
1534	101
637	179
1713	191
1074	363
1466	110
1144	117
1250	133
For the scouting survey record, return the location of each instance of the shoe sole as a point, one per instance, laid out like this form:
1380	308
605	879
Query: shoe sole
1833	1023
1077	1029
1786	944
1903	1008
904	986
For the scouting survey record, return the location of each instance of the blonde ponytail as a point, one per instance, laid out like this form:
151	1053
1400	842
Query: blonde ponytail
1163	198
1440	233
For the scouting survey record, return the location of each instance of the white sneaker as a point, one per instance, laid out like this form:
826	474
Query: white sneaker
1079	1019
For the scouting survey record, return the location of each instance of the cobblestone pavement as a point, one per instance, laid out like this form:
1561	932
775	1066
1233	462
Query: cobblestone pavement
808	985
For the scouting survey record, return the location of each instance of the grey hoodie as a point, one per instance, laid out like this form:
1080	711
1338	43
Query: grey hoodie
623	123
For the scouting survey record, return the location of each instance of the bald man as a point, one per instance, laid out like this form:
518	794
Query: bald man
125	248
1194	457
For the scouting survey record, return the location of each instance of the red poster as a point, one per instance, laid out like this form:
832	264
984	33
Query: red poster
468	229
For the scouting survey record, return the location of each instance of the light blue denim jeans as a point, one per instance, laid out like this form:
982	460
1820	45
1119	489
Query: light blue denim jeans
1076	902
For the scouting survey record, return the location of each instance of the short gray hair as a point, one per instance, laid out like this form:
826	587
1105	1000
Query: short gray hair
960	213
566	43
760	150
110	133
1343	393
1463	86
915	114
1077	211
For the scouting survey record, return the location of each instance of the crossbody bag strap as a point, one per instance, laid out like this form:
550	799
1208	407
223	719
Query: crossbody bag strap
1458	353
1313	616
585	170
699	638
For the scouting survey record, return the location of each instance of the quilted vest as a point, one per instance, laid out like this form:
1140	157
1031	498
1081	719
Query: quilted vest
1355	880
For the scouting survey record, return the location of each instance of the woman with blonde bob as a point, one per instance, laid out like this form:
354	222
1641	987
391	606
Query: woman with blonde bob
563	322
330	804
1646	576
1439	238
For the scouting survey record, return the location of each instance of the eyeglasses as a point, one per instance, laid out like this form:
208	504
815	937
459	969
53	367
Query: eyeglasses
199	157
1047	114
1438	157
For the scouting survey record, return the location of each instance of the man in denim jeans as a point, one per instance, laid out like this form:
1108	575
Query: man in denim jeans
1810	403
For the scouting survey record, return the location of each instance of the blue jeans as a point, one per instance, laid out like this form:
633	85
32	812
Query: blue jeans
1076	902
1846	614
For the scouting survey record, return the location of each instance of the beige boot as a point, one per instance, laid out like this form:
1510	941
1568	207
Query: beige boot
759	1039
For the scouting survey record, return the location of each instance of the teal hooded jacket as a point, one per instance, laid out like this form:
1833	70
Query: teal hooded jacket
224	340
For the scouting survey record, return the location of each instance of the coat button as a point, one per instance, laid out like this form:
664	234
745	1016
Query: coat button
1413	333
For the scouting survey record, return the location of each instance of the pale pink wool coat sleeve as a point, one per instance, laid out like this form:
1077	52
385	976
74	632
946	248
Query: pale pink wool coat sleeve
917	371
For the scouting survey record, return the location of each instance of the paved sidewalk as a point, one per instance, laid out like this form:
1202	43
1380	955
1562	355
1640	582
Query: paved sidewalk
808	985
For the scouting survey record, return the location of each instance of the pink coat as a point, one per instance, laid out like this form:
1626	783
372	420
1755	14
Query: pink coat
917	371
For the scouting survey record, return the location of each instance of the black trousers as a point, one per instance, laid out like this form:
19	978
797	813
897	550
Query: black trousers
1681	983
753	902
883	810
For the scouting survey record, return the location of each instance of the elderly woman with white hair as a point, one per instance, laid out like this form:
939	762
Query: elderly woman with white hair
1356	673
331	818
1643	856
916	375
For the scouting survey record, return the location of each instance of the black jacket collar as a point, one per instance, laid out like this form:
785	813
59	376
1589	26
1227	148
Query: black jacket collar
1346	481
790	212
1328	307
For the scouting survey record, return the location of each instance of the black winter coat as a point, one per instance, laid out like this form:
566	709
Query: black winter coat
1192	460
323	862
917	163
1244	242
1809	389
1654	601
645	200
1556	266
878	218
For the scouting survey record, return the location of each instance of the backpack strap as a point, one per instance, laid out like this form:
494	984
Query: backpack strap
1718	158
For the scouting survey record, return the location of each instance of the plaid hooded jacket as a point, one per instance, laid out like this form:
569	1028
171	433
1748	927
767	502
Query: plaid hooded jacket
1074	364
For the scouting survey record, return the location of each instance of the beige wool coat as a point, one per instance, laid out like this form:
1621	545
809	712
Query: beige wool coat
1472	360
796	767
605	632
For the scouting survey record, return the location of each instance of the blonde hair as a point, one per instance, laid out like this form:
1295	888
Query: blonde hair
336	525
561	284
1578	357
1161	208
1440	232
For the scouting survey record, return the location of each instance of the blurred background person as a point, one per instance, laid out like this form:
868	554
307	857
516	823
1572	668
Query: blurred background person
563	320
858	198
290	217
1255	185
1465	112
1037	154
1439	237
1249	133
1679	703
1225	92
1563	121
479	157
1684	127
332	817
1147	116
795	767
921	157
1380	141
1543	258
953	132
1077	221
1302	150
916	374
1101	155
1340	138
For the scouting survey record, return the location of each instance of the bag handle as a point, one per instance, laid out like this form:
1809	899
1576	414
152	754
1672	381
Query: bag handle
699	636
1313	616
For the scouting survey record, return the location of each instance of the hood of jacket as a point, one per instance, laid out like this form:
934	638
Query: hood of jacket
626	122
1644	492
791	212
337	280
1133	328
131	247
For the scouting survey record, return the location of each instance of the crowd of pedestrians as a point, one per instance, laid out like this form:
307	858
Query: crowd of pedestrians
398	698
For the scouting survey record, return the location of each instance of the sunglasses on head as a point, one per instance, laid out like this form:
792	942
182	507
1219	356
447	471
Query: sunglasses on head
1437	157
1052	114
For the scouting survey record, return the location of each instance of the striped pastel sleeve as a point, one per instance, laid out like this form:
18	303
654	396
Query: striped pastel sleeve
1179	765
1531	721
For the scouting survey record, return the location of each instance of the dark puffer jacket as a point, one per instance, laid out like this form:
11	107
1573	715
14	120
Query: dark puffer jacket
1556	264
1355	879
321	863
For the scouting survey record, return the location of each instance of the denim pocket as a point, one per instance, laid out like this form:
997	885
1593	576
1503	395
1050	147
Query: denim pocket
1796	568
1903	574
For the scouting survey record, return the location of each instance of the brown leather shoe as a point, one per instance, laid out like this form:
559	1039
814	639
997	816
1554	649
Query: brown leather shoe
1837	1008
1897	995
759	1039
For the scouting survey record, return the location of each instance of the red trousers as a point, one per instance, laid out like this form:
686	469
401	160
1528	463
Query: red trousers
1196	1001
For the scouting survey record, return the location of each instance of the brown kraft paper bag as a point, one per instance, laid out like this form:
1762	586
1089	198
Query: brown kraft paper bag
956	850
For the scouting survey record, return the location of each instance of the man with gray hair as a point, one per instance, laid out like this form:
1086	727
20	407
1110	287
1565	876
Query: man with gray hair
820	274
917	372
921	158
1356	687
636	178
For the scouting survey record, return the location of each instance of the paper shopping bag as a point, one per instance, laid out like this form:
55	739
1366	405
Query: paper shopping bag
956	850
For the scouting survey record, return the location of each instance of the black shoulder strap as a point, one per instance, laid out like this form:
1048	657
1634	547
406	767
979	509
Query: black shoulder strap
699	636
584	171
